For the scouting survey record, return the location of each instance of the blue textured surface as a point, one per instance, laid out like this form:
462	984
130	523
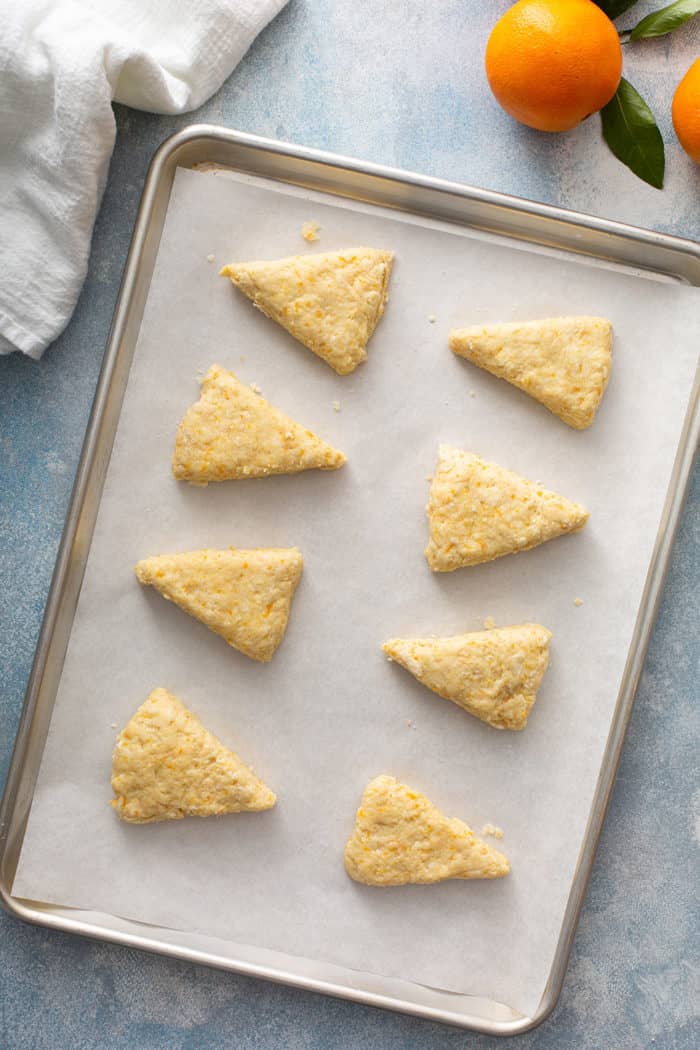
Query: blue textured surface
402	84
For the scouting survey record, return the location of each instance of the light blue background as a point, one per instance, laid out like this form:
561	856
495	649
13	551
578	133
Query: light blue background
399	82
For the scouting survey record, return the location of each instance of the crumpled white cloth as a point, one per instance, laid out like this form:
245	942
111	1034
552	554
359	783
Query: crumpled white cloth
61	64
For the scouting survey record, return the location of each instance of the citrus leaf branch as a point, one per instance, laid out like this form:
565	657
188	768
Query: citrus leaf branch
658	23
631	133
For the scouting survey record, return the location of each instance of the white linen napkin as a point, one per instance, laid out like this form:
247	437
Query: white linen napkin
61	64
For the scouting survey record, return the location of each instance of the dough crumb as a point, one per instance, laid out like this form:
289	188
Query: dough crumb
472	393
492	830
255	388
113	725
309	231
432	318
578	601
489	623
336	406
428	477
211	257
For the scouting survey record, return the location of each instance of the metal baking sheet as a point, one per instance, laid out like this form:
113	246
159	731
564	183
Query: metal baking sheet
441	205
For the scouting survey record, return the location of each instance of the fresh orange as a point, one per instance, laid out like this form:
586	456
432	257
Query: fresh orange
550	63
686	111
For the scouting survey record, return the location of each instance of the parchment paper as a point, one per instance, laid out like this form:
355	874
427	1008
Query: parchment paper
330	712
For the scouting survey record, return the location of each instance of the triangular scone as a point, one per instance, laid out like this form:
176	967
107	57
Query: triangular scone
166	765
492	674
329	301
243	595
232	432
401	837
564	362
479	511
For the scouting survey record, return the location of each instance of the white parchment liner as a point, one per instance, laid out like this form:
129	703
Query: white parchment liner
330	712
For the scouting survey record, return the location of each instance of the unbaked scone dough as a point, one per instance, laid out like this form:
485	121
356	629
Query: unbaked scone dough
492	674
242	595
166	766
479	511
564	362
401	837
233	433
329	301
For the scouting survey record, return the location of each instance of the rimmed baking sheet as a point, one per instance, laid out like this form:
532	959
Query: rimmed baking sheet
330	712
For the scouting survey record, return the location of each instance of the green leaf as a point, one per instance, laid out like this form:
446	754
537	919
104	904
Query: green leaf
631	133
614	8
658	23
